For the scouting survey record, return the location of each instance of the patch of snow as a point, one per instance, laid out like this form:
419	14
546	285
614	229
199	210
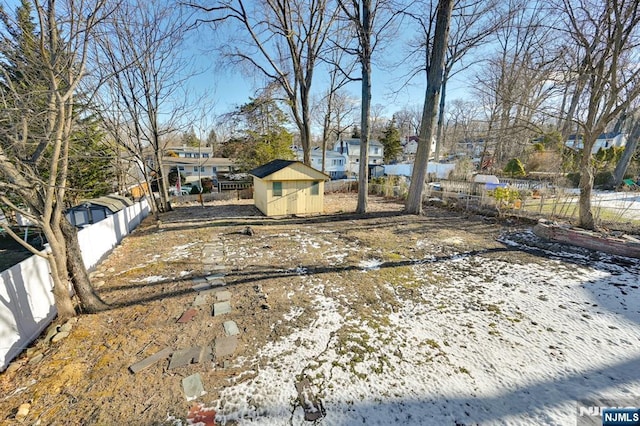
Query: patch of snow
337	258
294	313
486	341
152	279
370	265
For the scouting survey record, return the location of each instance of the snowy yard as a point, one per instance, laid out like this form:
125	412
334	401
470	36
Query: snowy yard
441	319
510	334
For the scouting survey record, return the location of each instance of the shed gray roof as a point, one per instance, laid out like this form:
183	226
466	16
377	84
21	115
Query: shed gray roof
270	168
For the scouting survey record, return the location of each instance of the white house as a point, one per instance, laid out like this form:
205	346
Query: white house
335	163
410	147
351	148
195	163
604	141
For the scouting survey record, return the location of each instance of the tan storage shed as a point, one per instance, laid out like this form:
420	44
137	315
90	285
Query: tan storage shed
285	187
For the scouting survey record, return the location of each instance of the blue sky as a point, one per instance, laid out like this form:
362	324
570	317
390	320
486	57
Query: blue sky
227	89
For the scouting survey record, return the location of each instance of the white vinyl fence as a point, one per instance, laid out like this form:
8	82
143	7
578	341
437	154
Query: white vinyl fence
26	300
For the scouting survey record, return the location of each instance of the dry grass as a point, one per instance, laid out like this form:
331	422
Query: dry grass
147	280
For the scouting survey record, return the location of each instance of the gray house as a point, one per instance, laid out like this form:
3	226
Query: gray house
351	149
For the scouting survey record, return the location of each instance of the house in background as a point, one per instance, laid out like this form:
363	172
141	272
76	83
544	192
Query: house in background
288	187
335	163
196	164
351	148
410	148
604	141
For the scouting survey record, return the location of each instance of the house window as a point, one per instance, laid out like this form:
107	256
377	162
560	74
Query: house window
277	189
181	168
315	188
205	155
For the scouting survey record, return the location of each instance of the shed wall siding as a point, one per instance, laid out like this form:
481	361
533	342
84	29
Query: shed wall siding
261	194
296	181
296	199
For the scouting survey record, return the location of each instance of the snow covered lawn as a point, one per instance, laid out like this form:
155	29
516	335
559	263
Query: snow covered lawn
397	326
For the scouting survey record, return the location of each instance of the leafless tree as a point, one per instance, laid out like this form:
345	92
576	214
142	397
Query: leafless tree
408	120
462	122
142	59
516	82
429	114
473	24
607	34
282	40
38	120
369	21
335	107
336	115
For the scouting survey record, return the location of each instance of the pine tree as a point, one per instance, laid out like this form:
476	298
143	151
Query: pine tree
391	142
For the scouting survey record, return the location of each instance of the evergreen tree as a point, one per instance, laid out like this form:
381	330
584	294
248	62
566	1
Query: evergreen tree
190	139
264	136
391	142
515	168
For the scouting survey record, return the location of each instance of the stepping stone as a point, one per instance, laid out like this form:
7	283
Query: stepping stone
200	300
61	335
187	316
209	290
52	332
206	354
218	282
141	365
221	308
192	387
231	328
225	346
201	286
199	280
185	357
36	358
310	403
213	277
223	295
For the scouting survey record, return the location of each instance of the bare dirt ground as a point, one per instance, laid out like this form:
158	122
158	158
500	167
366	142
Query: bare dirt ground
84	379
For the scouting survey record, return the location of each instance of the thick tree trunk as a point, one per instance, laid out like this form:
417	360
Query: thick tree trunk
586	219
163	189
90	302
439	133
429	114
61	294
363	176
